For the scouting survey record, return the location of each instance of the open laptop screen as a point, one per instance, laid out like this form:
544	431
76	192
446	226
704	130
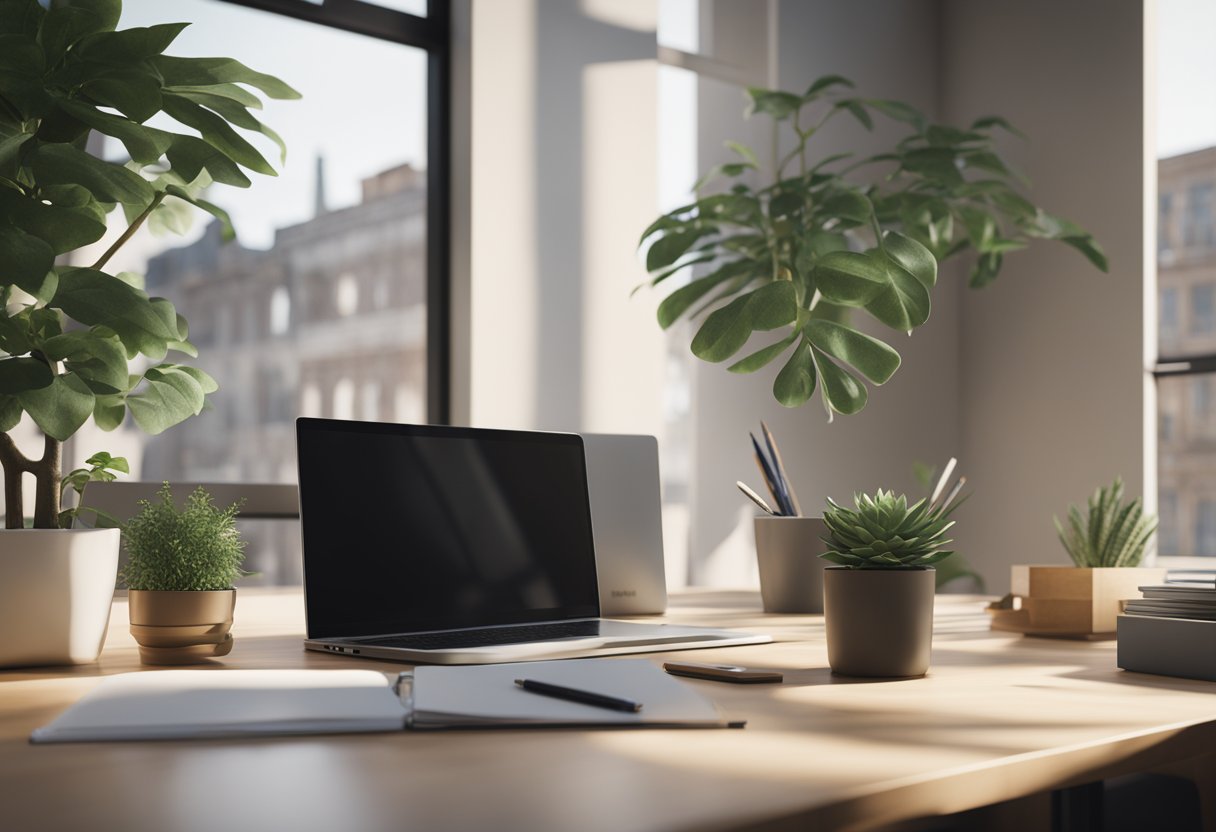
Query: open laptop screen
408	528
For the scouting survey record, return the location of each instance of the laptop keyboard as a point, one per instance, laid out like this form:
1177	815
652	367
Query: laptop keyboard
490	637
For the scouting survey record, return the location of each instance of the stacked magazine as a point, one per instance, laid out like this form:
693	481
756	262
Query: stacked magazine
1195	601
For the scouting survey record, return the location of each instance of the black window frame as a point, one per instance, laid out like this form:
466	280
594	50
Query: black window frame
432	34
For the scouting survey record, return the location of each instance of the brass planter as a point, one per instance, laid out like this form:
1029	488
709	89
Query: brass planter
182	627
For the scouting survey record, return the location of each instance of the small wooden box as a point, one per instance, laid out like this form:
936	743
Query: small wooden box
1071	601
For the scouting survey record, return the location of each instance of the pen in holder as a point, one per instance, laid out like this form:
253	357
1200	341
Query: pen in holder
791	571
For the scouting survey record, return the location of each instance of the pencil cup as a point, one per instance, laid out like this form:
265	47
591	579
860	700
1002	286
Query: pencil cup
791	571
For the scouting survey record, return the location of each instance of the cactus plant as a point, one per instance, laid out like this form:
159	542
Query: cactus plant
882	532
1111	534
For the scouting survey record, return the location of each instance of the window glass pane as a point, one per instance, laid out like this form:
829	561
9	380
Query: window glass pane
414	7
1203	309
1186	457
319	309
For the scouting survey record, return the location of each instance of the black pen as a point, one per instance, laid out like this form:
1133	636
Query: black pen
586	697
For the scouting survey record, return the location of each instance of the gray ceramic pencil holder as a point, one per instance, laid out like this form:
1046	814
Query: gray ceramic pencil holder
791	571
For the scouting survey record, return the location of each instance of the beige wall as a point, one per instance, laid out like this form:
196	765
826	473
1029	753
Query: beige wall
1052	355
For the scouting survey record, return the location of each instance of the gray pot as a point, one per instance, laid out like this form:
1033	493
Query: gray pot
879	621
791	571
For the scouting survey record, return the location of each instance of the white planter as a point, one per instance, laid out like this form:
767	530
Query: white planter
56	590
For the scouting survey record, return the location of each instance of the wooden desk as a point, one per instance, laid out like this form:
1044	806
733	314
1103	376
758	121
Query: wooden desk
998	717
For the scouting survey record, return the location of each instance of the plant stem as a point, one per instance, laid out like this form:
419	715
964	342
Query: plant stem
126	235
15	464
46	490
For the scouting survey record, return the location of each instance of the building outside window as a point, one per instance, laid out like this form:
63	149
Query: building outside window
1203	309
1200	226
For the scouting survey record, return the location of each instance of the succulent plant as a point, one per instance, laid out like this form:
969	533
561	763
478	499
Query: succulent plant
882	532
1111	534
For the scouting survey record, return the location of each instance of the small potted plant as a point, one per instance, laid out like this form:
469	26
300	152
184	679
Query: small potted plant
180	568
878	599
80	341
1107	545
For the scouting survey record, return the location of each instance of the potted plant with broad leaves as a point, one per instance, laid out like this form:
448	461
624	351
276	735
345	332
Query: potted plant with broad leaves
180	570
832	234
878	599
1107	544
78	343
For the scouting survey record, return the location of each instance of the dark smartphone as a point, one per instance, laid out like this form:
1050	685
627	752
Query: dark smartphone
722	672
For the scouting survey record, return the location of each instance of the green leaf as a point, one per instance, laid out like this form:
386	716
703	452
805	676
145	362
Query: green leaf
95	298
10	147
203	72
10	413
109	411
849	205
1088	246
232	92
772	305
60	408
858	111
849	278
936	163
170	396
841	390
21	67
63	164
671	247
17	375
796	381
724	332
985	270
236	114
132	45
872	358
145	144
679	301
744	151
216	132
26	261
65	24
779	105
134	93
903	303
63	228
914	257
761	358
825	82
98	359
190	155
898	111
988	122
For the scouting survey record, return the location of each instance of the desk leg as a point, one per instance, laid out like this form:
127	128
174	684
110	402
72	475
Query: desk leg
1077	809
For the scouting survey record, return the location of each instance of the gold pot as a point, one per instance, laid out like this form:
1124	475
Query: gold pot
182	627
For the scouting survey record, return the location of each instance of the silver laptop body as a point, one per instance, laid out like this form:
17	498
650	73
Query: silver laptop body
627	522
458	546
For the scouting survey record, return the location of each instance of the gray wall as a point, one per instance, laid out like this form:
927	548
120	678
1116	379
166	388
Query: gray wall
1054	397
890	49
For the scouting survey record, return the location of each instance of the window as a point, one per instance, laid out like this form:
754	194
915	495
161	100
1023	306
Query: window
1186	273
336	288
1203	309
1200	226
1168	310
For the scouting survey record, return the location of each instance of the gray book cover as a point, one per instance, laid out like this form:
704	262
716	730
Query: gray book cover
1168	646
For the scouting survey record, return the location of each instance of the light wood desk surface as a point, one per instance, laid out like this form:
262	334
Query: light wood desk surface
997	717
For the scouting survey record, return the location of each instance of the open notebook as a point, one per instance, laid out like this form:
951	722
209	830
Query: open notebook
189	704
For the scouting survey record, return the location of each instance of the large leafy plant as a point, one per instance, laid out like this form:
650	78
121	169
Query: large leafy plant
833	234
1110	533
69	331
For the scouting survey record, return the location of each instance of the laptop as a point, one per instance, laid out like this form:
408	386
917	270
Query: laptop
626	522
458	546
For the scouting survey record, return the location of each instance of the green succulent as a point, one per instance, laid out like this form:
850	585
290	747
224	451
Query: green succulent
884	533
1111	534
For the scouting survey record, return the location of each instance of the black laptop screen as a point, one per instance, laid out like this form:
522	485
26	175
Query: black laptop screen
409	528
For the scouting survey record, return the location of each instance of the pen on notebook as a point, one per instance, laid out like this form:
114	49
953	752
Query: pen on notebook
586	697
755	498
779	467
